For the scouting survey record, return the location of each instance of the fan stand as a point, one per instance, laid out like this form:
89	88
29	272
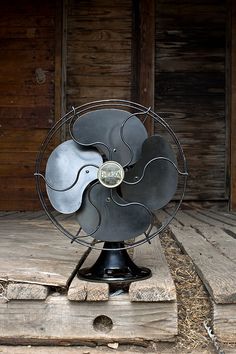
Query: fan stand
114	265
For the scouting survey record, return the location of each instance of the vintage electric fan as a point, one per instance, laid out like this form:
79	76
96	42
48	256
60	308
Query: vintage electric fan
113	178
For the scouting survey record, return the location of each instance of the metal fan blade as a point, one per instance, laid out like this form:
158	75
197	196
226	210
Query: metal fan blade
110	221
104	126
62	169
160	178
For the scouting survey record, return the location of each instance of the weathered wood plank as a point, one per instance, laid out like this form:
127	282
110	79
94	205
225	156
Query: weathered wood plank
192	14
220	240
24	291
160	287
77	290
70	350
99	46
12	140
220	217
35	252
190	72
224	322
146	64
81	290
188	220
27	36
217	272
72	322
178	84
20	204
233	109
226	218
200	216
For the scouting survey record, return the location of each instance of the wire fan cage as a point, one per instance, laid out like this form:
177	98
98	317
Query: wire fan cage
63	130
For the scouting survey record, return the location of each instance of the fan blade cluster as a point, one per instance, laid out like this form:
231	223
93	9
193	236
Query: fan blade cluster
150	179
103	129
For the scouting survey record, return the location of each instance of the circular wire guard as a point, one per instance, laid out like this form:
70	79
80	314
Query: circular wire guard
69	119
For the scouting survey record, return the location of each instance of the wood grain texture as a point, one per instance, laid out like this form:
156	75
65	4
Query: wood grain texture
81	290
99	41
55	349
24	291
146	55
190	89
202	217
233	109
224	322
72	322
27	35
160	287
222	241
35	252
217	272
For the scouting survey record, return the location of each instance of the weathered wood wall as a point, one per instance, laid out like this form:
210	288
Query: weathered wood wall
232	101
190	54
27	38
99	44
190	85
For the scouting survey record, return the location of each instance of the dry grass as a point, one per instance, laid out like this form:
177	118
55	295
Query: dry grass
193	302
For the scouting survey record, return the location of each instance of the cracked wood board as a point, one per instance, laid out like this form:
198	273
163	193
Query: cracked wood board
81	290
33	252
217	272
59	320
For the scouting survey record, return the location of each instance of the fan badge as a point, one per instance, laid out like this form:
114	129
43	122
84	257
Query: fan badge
111	174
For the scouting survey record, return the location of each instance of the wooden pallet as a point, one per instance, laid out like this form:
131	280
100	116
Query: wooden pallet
45	303
209	238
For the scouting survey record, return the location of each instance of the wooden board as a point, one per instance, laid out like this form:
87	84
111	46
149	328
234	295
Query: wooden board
222	241
35	252
81	290
99	44
85	350
146	57
215	221
232	108
190	89
27	34
160	287
25	291
224	321
61	320
217	272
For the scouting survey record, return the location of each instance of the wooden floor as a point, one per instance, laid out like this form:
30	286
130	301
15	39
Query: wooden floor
209	238
44	302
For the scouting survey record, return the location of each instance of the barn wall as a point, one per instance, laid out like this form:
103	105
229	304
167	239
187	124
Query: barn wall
27	38
99	45
190	85
189	81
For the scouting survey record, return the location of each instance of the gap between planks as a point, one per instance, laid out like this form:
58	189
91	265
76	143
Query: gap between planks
160	287
217	272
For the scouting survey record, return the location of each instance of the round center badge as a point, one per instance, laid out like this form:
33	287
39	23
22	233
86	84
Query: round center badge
111	174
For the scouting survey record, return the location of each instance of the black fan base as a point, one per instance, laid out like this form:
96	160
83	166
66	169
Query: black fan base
114	266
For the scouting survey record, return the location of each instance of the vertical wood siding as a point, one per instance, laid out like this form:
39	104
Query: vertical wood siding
99	42
27	39
190	85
